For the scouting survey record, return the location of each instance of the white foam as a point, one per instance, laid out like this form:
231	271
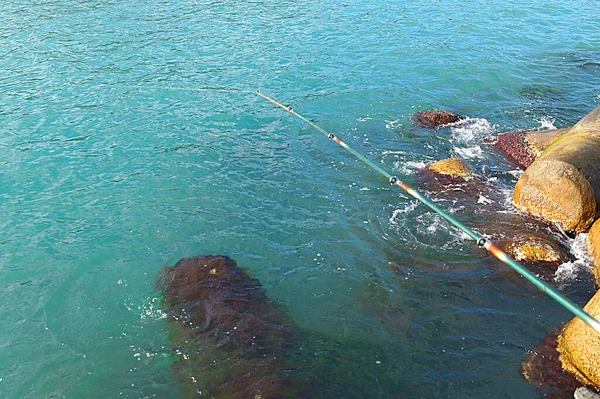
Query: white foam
407	209
471	130
150	309
470	152
547	123
484	200
408	167
569	271
393	124
468	134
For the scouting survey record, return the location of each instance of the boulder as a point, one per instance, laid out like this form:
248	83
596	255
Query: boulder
436	118
523	147
579	347
223	317
562	185
593	244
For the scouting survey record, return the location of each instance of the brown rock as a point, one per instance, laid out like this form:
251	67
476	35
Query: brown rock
579	347
525	146
593	244
558	193
513	146
562	186
544	371
452	167
541	255
436	118
538	141
537	250
235	340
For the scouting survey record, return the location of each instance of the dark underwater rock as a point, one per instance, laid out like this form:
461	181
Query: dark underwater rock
579	346
235	343
544	370
436	118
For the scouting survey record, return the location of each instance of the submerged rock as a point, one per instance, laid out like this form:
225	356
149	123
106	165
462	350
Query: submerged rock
544	371
543	254
579	347
593	244
235	341
562	185
436	118
453	177
452	167
525	146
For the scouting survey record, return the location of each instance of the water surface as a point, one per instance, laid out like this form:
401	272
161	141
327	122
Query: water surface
113	166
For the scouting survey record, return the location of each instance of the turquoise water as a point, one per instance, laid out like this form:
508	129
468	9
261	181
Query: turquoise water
112	167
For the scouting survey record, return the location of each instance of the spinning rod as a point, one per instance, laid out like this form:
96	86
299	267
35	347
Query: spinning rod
480	240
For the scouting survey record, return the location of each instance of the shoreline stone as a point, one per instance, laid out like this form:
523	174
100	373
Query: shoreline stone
562	185
593	244
544	371
436	118
541	255
523	147
452	167
579	347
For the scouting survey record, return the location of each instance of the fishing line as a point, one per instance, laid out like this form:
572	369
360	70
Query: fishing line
480	240
202	89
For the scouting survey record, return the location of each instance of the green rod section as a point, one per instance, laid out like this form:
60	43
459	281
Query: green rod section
481	241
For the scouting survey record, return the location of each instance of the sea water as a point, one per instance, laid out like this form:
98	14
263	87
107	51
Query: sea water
130	137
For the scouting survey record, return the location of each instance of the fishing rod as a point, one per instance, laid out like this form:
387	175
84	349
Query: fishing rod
480	240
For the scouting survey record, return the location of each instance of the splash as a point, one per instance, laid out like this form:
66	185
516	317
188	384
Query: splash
547	123
468	135
570	271
471	130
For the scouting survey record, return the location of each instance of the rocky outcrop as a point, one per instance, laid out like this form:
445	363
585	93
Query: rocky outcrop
436	118
593	244
235	342
562	186
579	347
525	146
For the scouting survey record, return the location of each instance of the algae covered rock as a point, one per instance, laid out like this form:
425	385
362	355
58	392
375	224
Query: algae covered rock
545	255
593	244
523	147
454	167
544	371
562	185
579	347
436	118
235	342
537	250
